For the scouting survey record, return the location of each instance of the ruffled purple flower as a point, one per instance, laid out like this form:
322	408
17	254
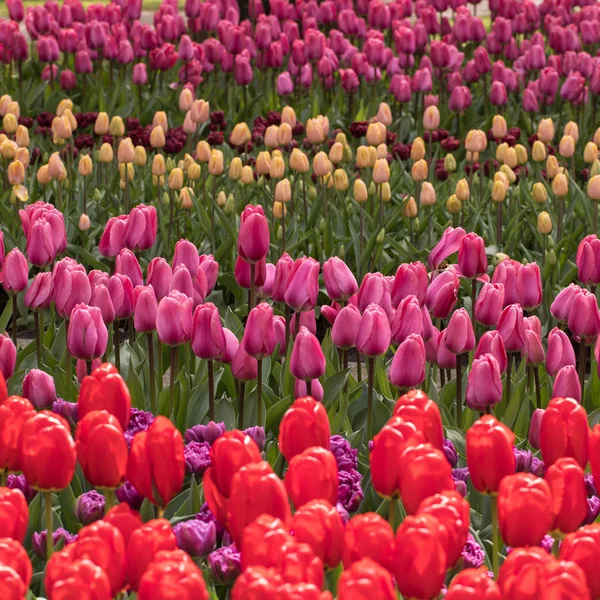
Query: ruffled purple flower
538	467
197	458
450	453
593	510
127	493
460	477
473	555
197	538
205	433
343	513
67	410
258	436
345	455
38	540
350	493
139	420
89	507
225	564
547	543
207	516
590	485
523	460
18	482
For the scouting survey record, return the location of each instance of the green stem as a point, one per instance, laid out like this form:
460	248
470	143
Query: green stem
211	391
110	499
371	373
259	410
38	340
392	514
152	374
15	313
49	521
172	382
495	534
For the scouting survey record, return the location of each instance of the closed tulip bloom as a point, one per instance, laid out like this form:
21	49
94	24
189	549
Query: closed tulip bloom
560	352
408	319
263	541
14	412
374	334
588	260
87	335
529	286
460	337
545	130
101	449
340	283
305	424
303	285
345	328
581	548
374	289
491	343
15	272
473	583
38	387
259	335
174	319
490	455
255	490
484	385
506	273
594	451
156	466
121	293
159	277
381	171
39	294
472	260
307	360
564	431
366	579
525	509
48	454
584	318
145	309
569	495
368	536
511	328
208	336
561	307
254	236
442	294
410	279
312	475
14	514
566	384
408	366
534	350
8	357
420	558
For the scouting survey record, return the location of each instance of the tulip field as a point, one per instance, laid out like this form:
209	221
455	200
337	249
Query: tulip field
299	300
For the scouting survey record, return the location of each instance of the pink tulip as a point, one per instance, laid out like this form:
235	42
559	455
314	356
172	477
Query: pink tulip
533	324
442	294
472	260
102	300
301	389
588	260
208	336
432	346
41	249
182	280
242	272
47	49
210	266
71	286
489	303
410	280
39	294
259	335
374	289
408	365
584	319
159	277
307	319
15	10
87	335
560	352
340	283
449	243
279	333
39	389
254	237
16	272
186	253
139	75
460	337
566	384
127	264
113	237
345	329
330	313
231	347
140	232
307	361
174	319
120	289
408	320
145	309
265	291
535	428
506	273
199	288
484	385
8	357
491	343
529	286
512	328
374	335
561	307
534	351
243	366
303	285
445	358
283	269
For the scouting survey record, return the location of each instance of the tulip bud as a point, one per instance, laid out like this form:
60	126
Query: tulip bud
186	99
22	156
139	156
116	127
539	193
270	136
499	127
572	129
476	141
105	154
336	153
498	191
186	198
382	151
560	185
417	150
521	152
509	173
566	148
462	191
298	161
500	151
427	197
175	181
453	205
288	115
314	132
235	168
360	191
283	191
284	135
279	210
372	190
545	131
125	151
157	137
384	114
593	188
16	173
362	157
544	223
8	149
247	175
410	209
200	111
277	170
340	180
510	158
10	124
215	164
221	199
419	171
158	165
101	125
381	171
590	152
56	168
431	118
160	120
450	163
263	163
43	175
376	133
84	222
202	151
552	166
538	152
22	136
85	165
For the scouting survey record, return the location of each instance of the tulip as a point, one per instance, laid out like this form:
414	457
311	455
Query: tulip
259	340
511	328
302	285
253	238
584	319
374	289
472	260
408	366
561	307
460	338
569	494
566	384
525	509
368	536
87	335
420	558
442	294
564	431
408	320
410	279
312	475
15	272
581	548
340	283
14	514
70	286
14	412
174	319
560	352
366	578
305	424
38	387
345	328
449	243
475	582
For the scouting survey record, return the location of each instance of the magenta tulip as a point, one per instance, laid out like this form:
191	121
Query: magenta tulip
410	280
449	243
210	267
533	350
432	346
71	286
39	294
39	388
265	291
231	346
242	272
174	319
307	361
506	273
408	319
445	358
254	236
346	326
102	300
279	333
186	253
374	289
442	294
491	343
243	366
588	260
316	389
303	285
182	280
120	289
340	283
560	352
529	286
87	335
140	233
127	264
489	304
41	248
472	260
307	319
484	385
374	335
561	307
584	319
145	309
408	365
8	357
535	427
460	337
208	336
16	272
512	328
259	335
283	268
566	384
113	237
159	277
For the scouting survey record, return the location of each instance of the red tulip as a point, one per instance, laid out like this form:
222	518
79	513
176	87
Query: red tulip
255	490
525	510
305	424
14	412
312	475
299	566
256	583
490	457
420	558
105	389
582	547
366	579
101	449
13	555
569	495
12	586
14	514
263	540
48	454
156	466
416	408
124	519
564	431
66	578
368	536
472	584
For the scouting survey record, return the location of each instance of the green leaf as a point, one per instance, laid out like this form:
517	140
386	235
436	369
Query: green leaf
67	504
333	385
